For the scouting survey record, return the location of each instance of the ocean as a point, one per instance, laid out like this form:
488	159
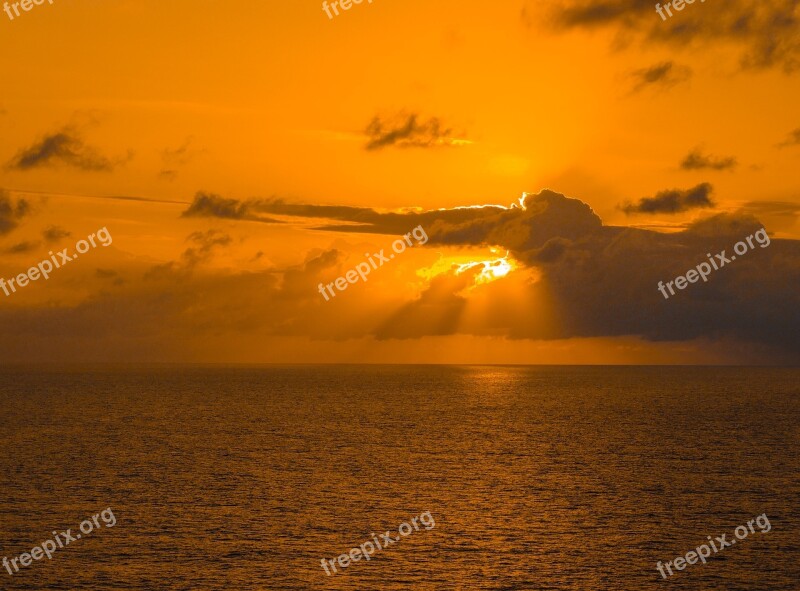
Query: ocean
537	478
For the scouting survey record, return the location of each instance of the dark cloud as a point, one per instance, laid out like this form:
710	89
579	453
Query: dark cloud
767	31
213	206
673	201
202	250
407	131
696	160
542	217
605	284
359	219
11	212
173	312
547	215
54	234
23	247
205	242
437	311
598	280
66	147
590	280
602	281
793	139
663	75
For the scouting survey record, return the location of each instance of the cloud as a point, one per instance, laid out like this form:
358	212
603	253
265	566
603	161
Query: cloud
406	131
210	205
766	31
591	14
696	160
358	219
601	281
54	234
11	213
66	147
605	284
662	75
793	139
672	201
549	214
204	244
524	226
23	247
176	158
180	156
214	206
575	278
436	311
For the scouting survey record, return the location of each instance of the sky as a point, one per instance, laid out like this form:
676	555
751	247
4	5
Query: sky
557	160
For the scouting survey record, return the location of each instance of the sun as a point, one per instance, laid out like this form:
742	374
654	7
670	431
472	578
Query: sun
493	269
483	265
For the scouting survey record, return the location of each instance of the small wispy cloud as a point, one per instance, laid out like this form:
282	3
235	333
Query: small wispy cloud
66	147
663	75
408	131
793	139
11	212
696	160
22	247
672	201
54	234
174	159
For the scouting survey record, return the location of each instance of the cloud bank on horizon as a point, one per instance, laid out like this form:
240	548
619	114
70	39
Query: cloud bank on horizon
593	280
604	278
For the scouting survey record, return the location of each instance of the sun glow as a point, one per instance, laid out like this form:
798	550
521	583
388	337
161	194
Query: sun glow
480	265
492	269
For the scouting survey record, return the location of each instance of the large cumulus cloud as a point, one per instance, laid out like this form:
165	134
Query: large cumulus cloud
600	280
576	278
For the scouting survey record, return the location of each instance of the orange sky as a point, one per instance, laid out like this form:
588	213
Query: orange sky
471	103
